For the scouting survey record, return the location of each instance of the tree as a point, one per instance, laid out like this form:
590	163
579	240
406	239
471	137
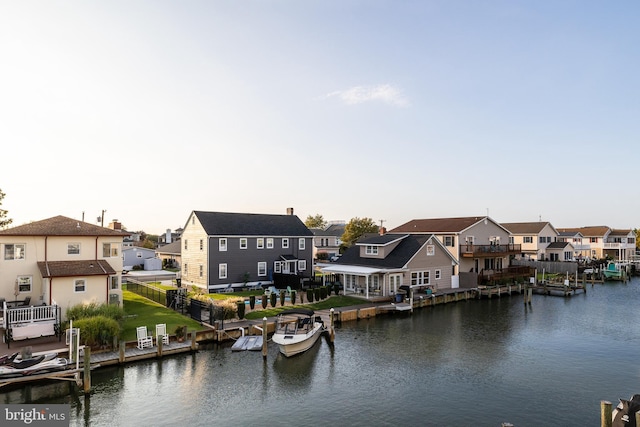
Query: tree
356	228
316	221
637	232
4	221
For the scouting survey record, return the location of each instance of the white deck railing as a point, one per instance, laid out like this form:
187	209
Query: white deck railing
34	314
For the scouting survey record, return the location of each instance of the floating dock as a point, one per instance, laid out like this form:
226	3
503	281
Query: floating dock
248	343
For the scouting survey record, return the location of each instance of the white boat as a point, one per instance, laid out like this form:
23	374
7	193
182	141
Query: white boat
297	330
15	366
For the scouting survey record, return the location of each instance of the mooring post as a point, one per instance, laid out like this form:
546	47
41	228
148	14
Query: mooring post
605	413
121	351
638	418
264	338
193	340
159	343
86	379
332	333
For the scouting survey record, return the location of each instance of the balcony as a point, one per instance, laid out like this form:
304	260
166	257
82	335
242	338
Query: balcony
489	251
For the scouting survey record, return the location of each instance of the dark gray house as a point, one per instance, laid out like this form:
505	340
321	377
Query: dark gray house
222	250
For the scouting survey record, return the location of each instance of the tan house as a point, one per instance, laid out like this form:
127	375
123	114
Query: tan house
603	241
61	261
479	244
533	238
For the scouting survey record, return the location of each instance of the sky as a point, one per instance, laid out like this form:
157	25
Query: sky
389	110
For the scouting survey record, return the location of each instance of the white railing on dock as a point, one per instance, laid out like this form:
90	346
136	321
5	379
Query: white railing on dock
34	314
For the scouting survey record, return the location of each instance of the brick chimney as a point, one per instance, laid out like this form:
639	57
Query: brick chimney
289	211
383	231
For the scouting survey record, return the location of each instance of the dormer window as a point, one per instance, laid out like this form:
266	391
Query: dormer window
371	250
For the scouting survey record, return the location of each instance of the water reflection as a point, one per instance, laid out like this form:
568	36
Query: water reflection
504	356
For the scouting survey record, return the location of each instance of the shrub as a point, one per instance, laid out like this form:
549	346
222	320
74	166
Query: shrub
227	308
252	301
323	293
273	298
92	309
264	302
282	297
97	330
293	297
316	294
310	295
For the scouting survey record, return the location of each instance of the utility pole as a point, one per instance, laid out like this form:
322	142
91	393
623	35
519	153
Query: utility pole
102	218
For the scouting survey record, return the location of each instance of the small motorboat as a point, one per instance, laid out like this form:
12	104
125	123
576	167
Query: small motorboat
624	415
15	365
297	330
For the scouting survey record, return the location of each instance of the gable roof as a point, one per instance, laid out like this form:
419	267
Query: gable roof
406	249
97	267
171	248
380	240
245	224
442	225
591	231
558	245
336	230
61	226
526	227
619	232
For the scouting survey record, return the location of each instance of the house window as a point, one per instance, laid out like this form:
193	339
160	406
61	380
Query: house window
545	239
222	244
201	244
568	256
371	250
243	243
24	283
138	254
262	269
469	240
222	271
431	250
14	251
593	239
79	285
527	239
260	243
110	250
185	245
438	275
419	278
301	244
302	264
201	270
448	241
553	257
285	243
186	269
73	248
277	266
270	243
114	283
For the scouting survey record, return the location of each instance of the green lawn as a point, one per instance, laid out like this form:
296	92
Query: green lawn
144	312
334	301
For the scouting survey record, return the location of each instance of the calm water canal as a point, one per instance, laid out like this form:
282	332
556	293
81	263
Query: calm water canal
474	363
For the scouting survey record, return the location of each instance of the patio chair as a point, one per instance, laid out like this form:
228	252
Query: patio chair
288	291
144	339
270	290
227	289
26	302
161	333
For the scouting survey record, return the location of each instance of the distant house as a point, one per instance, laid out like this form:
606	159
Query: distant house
221	249
61	261
559	251
480	245
533	238
170	255
581	250
327	241
136	256
380	265
607	242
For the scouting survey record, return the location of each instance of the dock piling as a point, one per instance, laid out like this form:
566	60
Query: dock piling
264	338
332	333
605	413
86	377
